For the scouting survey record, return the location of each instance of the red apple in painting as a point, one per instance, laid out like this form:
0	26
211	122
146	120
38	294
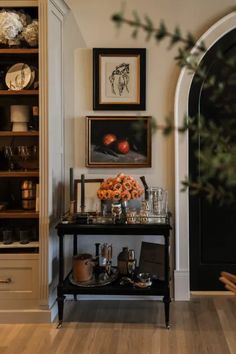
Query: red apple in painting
123	146
108	139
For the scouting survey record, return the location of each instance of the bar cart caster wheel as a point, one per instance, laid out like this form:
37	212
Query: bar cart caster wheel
59	325
167	326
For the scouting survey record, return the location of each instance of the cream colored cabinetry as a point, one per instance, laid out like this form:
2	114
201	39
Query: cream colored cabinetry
18	277
27	272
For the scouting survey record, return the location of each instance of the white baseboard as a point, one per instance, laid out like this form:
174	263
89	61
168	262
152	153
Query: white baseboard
25	316
33	315
181	288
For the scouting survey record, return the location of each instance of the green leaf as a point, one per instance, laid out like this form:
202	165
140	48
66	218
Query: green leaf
161	32
191	41
117	18
137	20
148	28
135	33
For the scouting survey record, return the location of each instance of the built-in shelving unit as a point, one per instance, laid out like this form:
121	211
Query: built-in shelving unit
14	214
29	295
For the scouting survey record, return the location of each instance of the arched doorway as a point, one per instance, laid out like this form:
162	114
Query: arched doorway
212	227
182	269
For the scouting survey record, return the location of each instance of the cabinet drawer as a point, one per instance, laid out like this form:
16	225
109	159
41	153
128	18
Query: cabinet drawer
18	278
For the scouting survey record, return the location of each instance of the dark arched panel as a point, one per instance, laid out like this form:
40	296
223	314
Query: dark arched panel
212	227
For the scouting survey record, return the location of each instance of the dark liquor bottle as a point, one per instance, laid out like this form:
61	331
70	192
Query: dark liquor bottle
34	122
145	186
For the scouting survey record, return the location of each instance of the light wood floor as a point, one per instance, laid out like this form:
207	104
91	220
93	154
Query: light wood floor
202	326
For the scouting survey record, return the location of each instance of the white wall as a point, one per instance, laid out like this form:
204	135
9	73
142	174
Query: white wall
97	30
72	40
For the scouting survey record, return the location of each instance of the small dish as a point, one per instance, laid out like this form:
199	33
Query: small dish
143	285
144	277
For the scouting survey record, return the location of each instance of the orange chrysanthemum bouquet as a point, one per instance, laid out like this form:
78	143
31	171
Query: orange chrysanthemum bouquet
120	188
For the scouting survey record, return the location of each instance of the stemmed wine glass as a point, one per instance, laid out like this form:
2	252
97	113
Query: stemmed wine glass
8	152
23	152
34	152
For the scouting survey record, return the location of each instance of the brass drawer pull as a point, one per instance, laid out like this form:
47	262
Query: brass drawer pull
5	281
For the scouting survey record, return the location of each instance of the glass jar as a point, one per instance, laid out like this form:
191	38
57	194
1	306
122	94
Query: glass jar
158	201
131	216
116	211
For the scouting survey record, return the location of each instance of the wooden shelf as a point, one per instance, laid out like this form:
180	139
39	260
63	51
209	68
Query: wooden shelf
19	50
19	245
11	133
19	173
19	214
18	92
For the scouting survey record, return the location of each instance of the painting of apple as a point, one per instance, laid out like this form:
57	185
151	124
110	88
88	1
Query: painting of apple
118	141
108	139
123	146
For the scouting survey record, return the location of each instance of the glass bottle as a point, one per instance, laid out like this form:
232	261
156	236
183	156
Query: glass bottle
131	262
34	124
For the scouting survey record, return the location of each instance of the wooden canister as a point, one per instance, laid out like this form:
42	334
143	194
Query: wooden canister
82	268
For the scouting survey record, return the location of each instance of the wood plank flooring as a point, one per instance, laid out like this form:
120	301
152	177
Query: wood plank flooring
204	325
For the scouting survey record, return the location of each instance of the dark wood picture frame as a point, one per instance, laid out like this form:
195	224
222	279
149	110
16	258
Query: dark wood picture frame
119	79
152	256
80	199
131	145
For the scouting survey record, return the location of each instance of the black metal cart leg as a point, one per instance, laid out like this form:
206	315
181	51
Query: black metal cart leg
167	302
60	294
60	303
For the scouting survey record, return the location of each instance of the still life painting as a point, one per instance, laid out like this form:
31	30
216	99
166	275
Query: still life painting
116	141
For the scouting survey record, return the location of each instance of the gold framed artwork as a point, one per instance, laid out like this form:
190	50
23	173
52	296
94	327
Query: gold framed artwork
118	141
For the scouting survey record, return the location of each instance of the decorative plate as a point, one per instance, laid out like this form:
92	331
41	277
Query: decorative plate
33	84
18	76
101	280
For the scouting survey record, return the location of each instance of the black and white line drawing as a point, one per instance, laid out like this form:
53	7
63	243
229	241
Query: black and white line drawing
119	79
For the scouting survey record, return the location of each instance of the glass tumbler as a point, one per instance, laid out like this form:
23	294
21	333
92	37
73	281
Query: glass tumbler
7	237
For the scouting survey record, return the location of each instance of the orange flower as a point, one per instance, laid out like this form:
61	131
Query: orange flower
117	187
107	194
140	191
116	195
127	185
134	194
104	185
121	187
125	195
100	194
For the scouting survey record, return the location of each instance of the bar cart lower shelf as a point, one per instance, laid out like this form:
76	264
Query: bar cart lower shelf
158	287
